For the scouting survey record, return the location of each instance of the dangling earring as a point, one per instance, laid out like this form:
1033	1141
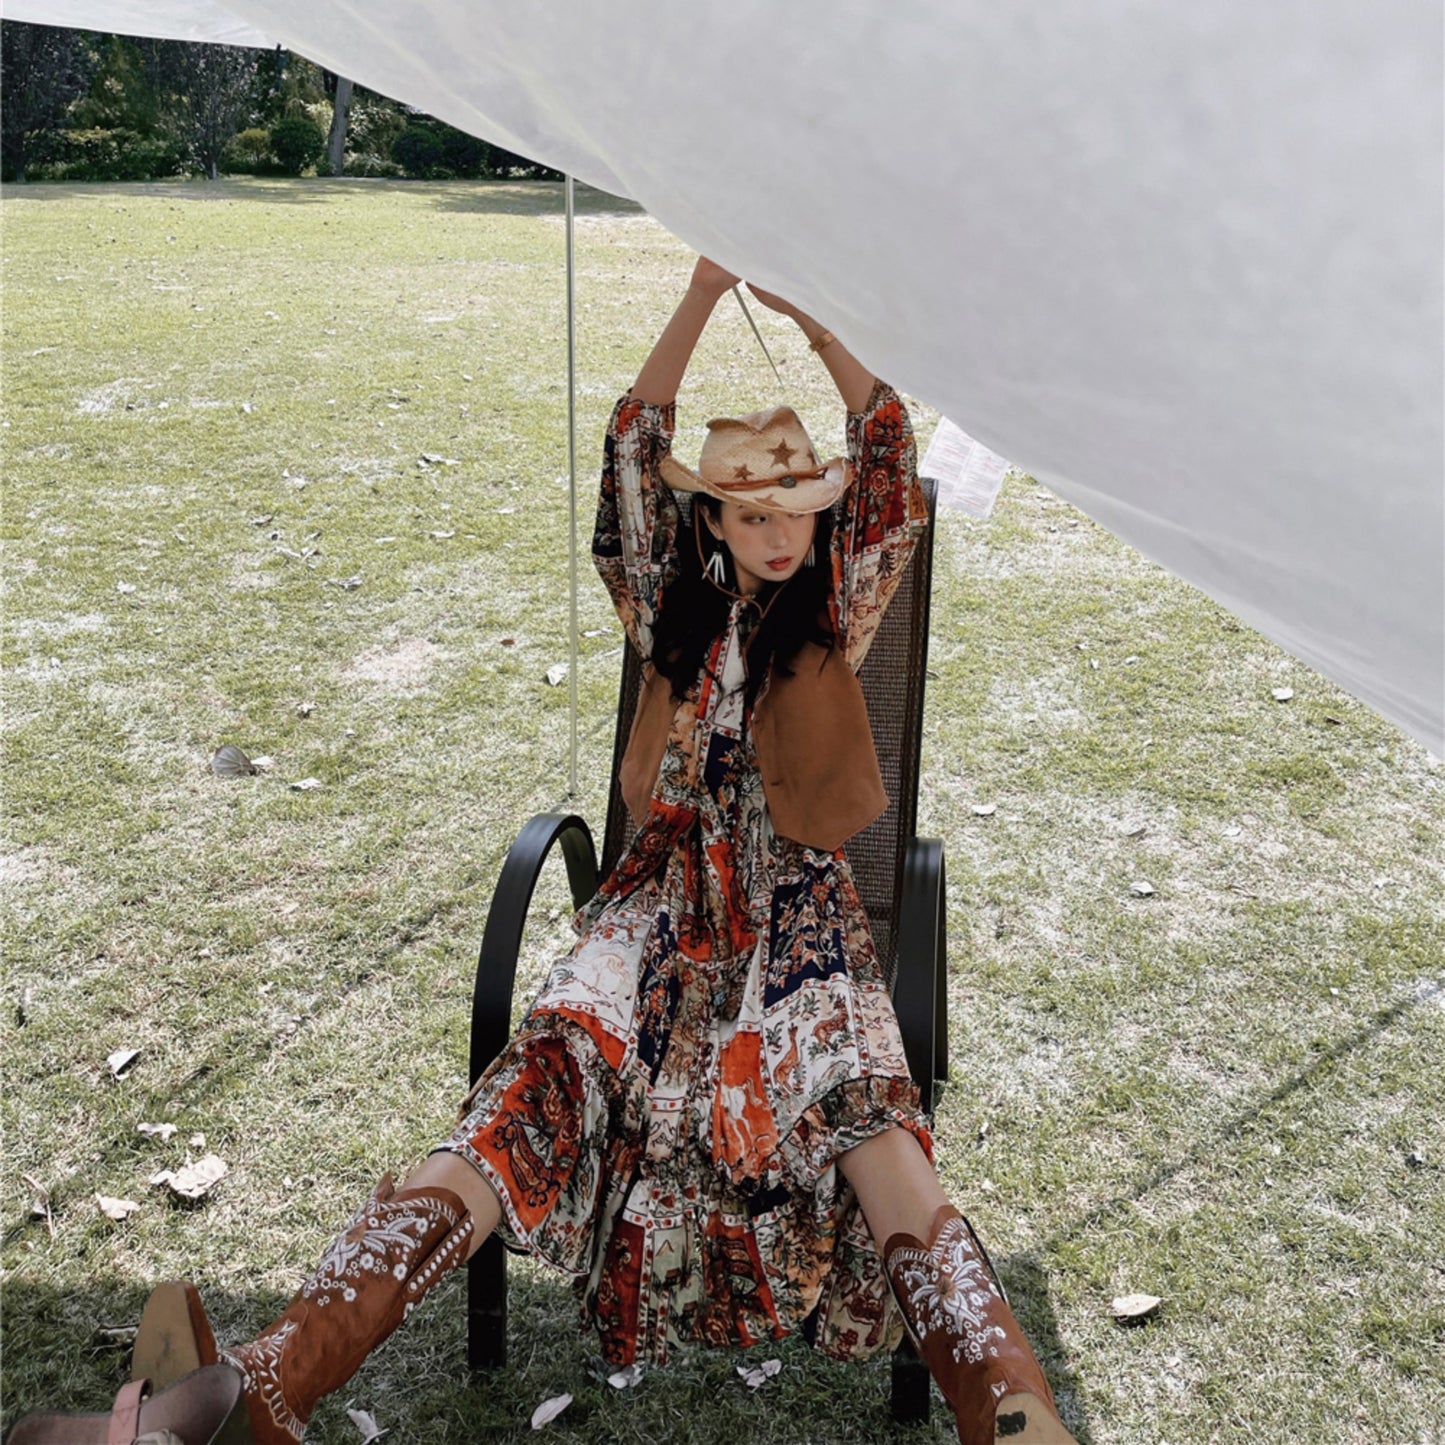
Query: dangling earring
717	566
811	559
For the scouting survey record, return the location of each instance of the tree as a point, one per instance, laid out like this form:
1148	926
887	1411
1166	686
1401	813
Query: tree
43	70
211	90
336	141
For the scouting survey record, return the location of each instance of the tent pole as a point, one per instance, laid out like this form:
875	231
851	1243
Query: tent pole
572	482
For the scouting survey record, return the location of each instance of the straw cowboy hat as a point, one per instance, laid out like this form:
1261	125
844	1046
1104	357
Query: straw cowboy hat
765	460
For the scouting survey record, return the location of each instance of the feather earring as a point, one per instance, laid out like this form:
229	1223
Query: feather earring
717	567
811	559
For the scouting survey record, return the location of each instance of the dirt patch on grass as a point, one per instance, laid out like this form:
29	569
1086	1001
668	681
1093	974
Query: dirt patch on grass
403	668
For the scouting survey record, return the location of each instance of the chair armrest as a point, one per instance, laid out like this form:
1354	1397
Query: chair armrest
920	993
502	940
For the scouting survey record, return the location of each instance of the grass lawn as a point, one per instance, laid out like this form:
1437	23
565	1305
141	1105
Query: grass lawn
285	467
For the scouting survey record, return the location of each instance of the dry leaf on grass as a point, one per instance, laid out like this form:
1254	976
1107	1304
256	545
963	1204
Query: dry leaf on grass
194	1181
557	674
117	1209
548	1410
1132	1309
1282	694
984	810
40	1203
307	785
1142	888
163	1132
305	709
263	764
121	1060
365	1421
228	761
624	1379
754	1376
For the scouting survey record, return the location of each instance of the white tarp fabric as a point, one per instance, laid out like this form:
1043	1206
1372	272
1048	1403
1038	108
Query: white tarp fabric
1182	263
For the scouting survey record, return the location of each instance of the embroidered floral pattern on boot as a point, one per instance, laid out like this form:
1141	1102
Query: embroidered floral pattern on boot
968	1336
387	1260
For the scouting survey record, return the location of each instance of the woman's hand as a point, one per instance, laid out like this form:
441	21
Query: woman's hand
711	279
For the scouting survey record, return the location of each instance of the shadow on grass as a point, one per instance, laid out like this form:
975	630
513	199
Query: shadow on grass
1027	1283
1210	1147
486	197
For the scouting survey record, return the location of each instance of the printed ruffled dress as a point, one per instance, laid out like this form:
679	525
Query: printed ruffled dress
666	1123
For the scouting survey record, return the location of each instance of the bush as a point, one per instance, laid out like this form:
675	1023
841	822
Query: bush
297	142
249	153
436	151
119	154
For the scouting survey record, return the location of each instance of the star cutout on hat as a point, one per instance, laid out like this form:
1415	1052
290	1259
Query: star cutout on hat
782	453
742	473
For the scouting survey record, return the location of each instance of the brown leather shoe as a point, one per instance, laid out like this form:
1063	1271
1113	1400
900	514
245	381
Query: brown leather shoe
965	1331
392	1254
205	1407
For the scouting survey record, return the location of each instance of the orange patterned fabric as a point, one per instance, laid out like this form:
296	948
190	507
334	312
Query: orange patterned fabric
666	1126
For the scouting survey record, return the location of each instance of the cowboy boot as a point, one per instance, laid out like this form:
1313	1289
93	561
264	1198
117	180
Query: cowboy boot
966	1333
392	1254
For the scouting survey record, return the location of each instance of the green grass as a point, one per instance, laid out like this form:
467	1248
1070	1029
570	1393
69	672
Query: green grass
1212	1094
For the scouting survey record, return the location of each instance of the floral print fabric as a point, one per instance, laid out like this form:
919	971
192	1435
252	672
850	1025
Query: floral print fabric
667	1123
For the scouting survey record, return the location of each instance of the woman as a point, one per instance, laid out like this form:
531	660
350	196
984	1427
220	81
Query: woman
707	1118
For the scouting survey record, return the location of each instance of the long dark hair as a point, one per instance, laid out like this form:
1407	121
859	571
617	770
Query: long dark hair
695	611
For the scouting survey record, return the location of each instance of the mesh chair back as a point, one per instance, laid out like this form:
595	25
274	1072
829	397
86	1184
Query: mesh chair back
893	677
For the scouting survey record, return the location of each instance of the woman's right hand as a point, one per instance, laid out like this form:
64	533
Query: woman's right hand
710	278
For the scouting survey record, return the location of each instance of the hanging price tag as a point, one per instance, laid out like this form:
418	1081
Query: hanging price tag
969	476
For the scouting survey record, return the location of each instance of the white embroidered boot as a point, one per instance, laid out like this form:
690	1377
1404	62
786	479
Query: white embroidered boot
969	1338
391	1255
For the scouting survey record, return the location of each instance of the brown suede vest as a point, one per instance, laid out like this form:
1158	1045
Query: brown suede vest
814	746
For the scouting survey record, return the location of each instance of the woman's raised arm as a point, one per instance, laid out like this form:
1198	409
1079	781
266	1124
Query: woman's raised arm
662	372
854	381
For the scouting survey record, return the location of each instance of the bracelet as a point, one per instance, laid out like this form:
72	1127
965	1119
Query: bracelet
826	339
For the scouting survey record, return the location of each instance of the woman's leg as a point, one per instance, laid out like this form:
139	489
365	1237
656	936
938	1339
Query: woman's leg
955	1312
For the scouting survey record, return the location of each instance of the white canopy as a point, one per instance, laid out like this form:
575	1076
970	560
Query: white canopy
1182	263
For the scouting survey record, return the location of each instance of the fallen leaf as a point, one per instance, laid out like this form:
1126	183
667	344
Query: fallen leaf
1142	888
1282	694
194	1181
347	584
1136	833
755	1376
117	1209
22	1009
263	764
985	810
40	1203
1131	1309
163	1132
305	709
548	1410
441	536
1415	1159
196	1141
365	1421
307	785
557	674
228	761
626	1378
125	587
121	1060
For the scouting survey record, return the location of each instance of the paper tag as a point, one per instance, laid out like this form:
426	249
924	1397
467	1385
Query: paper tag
969	476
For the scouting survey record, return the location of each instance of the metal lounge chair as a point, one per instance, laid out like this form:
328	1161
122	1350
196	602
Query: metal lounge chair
899	876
